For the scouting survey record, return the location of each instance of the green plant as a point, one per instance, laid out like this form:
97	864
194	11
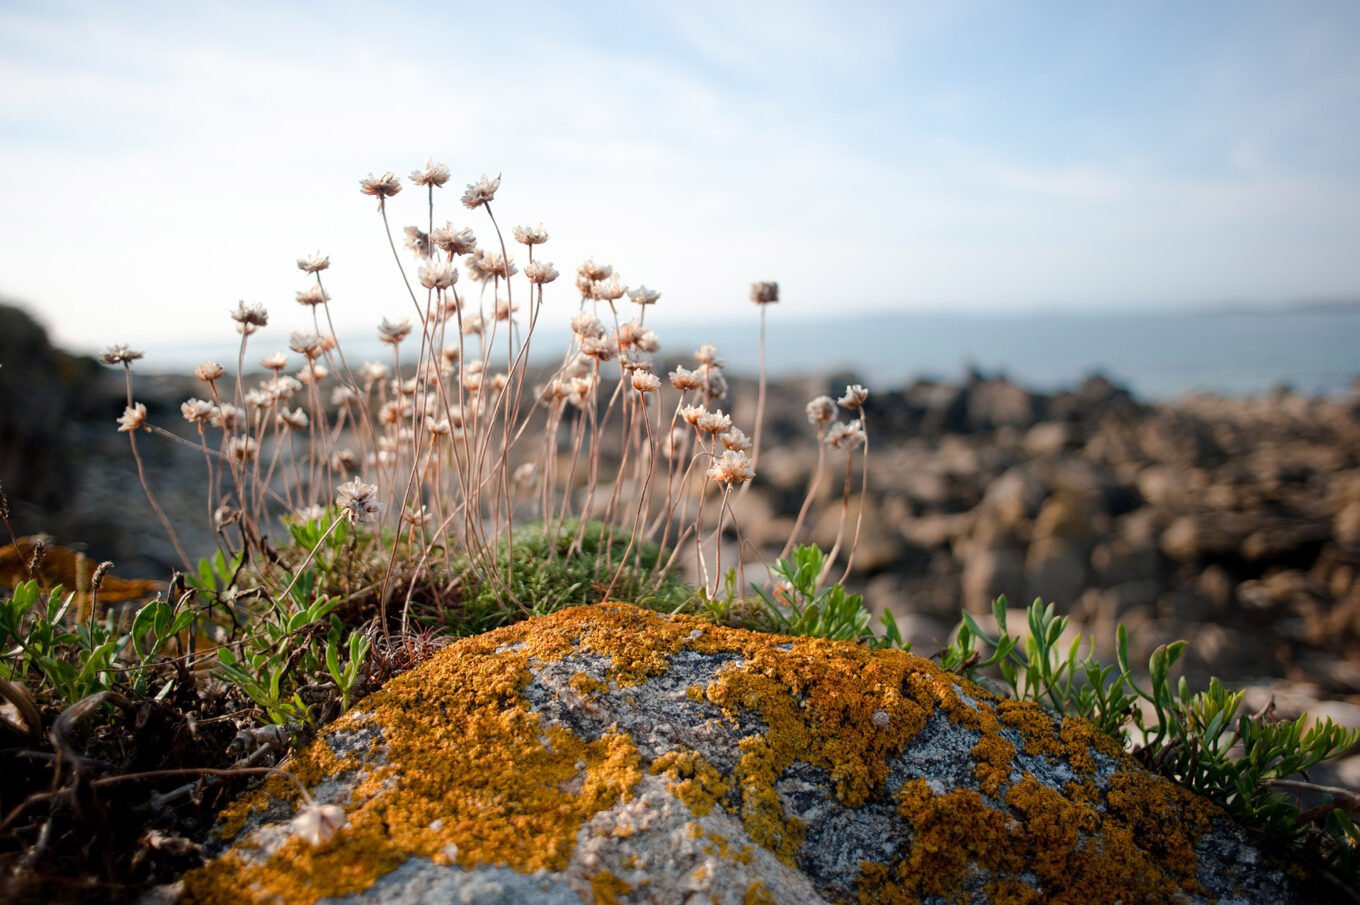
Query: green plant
1200	739
798	606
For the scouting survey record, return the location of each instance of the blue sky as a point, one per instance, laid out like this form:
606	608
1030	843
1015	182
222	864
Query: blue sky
168	159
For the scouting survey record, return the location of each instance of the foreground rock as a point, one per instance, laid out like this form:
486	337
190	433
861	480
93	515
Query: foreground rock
609	754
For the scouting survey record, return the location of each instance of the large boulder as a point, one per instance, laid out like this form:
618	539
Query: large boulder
609	754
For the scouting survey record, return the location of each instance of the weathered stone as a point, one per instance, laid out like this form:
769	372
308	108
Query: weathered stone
609	754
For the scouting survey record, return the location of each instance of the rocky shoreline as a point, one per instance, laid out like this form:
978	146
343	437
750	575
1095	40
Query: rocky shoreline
1231	522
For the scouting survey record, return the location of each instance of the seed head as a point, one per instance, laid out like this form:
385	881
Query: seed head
380	187
243	449
493	264
393	333
318	824
736	439
209	371
440	428
733	467
645	381
764	293
504	310
715	385
599	349
643	296
313	295
472	325
315	264
438	274
845	436
540	272
120	354
692	413
609	290
821	410
134	416
648	342
196	411
434	174
453	242
707	355
358	501
587	325
592	272
714	422
531	235
480	193
372	372
684	379
275	361
296	419
305	343
418	241
226	416
854	397
249	318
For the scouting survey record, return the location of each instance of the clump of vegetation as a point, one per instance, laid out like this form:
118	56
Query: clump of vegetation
455	489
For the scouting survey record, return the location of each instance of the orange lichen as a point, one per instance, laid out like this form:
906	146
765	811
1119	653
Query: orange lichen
697	782
475	776
757	894
607	888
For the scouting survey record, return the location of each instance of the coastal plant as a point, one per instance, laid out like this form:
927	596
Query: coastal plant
1203	740
798	604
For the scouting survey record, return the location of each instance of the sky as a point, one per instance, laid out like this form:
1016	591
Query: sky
169	159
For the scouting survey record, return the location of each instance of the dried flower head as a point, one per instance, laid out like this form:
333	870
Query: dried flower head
275	361
586	325
473	325
495	264
540	272
315	264
418	241
380	187
312	295
601	350
736	439
120	354
243	449
305	343
733	467
715	385
209	371
592	272
643	296
684	379
453	241
531	235
505	310
645	381
845	436
821	410
317	824
440	428
358	501
525	475
764	293
371	372
196	411
707	355
133	417
647	341
610	290
714	422
434	174
226	416
854	397
692	413
249	318
295	420
393	333
438	274
480	193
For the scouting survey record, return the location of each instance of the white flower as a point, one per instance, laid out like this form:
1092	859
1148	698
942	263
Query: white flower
275	361
708	356
417	241
733	467
434	174
312	295
315	264
531	235
845	436
120	354
587	325
736	439
243	449
644	296
453	242
133	417
305	342
645	382
821	410
692	413
540	272
714	422
480	193
372	372
249	318
209	371
684	379
393	333
196	411
358	501
318	824
438	274
607	290
296	419
854	397
380	187
592	272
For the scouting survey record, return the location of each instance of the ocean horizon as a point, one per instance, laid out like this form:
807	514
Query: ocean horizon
1157	355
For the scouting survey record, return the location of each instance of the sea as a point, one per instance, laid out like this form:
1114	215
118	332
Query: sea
1157	355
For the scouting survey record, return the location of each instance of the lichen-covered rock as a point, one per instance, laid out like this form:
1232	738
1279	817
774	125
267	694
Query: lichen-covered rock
608	754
